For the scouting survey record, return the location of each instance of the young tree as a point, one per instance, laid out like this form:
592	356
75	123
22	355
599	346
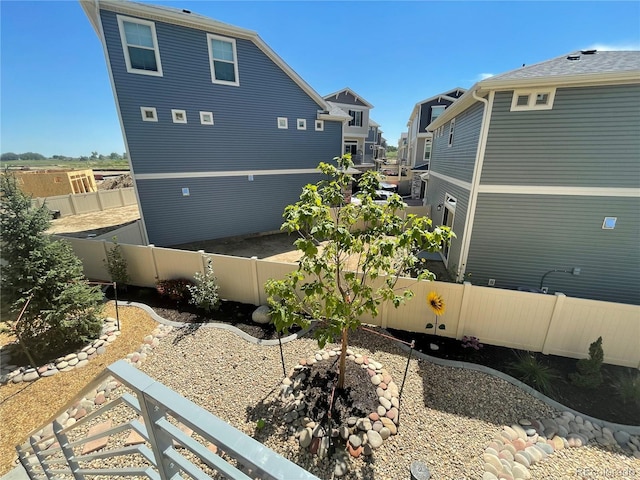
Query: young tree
63	310
352	256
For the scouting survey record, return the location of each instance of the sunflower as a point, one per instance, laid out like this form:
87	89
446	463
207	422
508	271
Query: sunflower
436	303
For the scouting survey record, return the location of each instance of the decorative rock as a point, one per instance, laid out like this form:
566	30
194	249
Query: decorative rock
378	426
489	476
393	413
318	431
82	363
305	438
387	422
30	377
344	432
519	444
622	437
384	432
261	315
374	416
381	411
492	460
351	421
385	403
353	451
492	469
522	459
374	439
62	365
323	449
99	351
376	380
519	471
48	373
364	424
355	441
341	468
419	471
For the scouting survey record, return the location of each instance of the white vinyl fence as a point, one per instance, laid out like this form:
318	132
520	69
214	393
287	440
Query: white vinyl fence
552	324
74	204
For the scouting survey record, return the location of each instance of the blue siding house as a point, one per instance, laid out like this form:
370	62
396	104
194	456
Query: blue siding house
221	133
537	171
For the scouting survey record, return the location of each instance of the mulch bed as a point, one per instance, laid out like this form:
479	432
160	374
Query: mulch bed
232	313
602	402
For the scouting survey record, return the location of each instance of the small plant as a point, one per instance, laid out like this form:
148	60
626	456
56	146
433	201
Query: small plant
176	289
589	373
117	265
204	291
627	387
471	342
436	303
529	370
260	424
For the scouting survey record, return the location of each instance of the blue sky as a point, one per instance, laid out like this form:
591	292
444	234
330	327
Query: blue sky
56	97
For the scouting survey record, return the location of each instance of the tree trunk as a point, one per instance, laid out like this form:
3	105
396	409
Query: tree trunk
343	358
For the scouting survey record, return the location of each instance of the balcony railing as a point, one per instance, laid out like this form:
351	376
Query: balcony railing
160	418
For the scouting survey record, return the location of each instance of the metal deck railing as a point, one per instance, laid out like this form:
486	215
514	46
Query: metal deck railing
164	451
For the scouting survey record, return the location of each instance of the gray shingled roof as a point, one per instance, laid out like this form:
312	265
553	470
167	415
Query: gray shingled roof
336	111
598	62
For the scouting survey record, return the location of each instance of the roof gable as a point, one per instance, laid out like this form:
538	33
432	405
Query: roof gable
348	97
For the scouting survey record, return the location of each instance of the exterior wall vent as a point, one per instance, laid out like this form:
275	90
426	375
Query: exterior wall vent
588	52
573	57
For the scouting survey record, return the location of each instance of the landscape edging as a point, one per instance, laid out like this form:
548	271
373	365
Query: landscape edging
221	326
631	429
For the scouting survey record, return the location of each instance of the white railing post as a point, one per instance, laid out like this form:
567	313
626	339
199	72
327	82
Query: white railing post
151	248
254	281
67	451
159	440
74	206
464	308
204	261
99	200
555	317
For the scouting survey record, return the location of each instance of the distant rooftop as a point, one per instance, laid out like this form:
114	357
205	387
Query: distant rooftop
582	62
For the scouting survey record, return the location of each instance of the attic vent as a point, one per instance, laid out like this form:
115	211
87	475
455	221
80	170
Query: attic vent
573	57
588	52
184	10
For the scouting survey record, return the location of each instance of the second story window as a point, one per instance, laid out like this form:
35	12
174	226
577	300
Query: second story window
223	60
436	111
357	118
427	151
452	128
140	46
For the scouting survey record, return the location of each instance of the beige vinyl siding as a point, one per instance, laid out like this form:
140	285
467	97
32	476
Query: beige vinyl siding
591	137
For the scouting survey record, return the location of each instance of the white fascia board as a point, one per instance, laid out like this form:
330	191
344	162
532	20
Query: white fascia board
90	10
460	105
212	26
355	135
451	180
586	79
229	173
560	190
326	116
425	135
348	90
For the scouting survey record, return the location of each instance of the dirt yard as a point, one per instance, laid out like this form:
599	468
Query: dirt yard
97	223
277	246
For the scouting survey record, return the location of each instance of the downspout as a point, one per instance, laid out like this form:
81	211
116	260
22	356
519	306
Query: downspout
103	41
475	182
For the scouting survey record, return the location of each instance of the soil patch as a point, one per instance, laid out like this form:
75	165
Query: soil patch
601	402
232	313
357	399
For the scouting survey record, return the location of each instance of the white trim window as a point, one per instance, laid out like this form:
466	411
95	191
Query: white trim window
436	111
533	99
319	125
283	123
452	127
609	223
179	116
357	118
223	60
149	114
206	118
301	124
427	151
140	46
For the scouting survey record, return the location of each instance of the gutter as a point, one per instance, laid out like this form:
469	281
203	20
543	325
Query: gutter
475	181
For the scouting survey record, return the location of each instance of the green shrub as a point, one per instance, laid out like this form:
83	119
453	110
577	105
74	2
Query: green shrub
589	373
63	311
529	370
627	387
176	289
117	265
204	291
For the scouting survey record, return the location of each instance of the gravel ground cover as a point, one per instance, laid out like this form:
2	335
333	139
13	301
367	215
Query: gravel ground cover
448	415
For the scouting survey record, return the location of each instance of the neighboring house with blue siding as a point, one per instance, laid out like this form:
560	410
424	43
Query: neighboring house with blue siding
424	112
359	136
538	170
221	133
